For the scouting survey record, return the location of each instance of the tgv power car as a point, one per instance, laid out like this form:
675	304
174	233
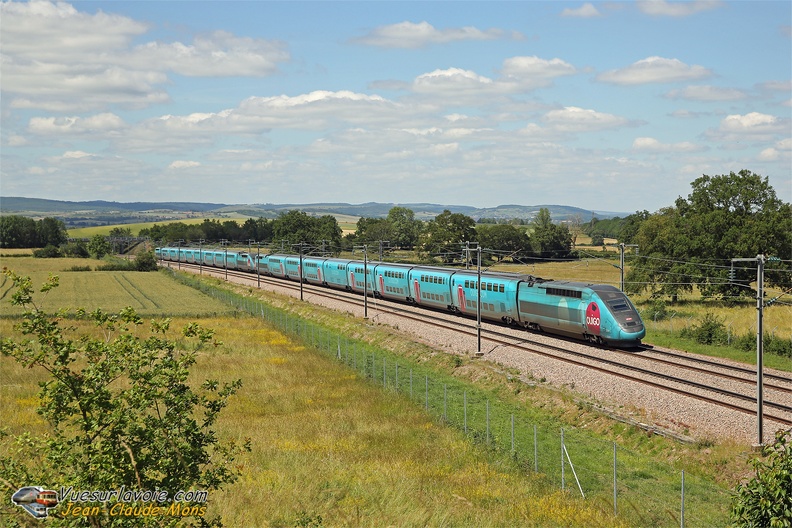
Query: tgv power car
594	312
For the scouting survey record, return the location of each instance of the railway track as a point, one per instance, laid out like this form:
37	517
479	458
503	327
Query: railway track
660	369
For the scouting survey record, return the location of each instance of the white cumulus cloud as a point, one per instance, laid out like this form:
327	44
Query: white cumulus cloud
587	10
422	34
182	164
655	70
574	119
648	144
677	9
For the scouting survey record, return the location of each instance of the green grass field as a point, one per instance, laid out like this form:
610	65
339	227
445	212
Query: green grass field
148	293
88	232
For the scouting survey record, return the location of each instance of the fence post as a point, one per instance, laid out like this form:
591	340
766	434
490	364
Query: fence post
615	509
682	515
488	424
445	403
536	452
465	408
563	487
411	390
512	433
426	380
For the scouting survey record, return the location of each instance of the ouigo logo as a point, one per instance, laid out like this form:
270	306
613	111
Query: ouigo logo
36	500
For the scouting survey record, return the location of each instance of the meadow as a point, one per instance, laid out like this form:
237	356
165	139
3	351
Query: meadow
329	448
147	293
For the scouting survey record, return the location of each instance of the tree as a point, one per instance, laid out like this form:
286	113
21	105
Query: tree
447	231
631	225
146	261
724	217
51	232
121	232
98	246
372	230
506	239
766	500
121	413
294	227
550	240
405	229
259	229
575	226
18	232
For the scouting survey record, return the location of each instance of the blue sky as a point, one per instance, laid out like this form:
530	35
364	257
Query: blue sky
614	106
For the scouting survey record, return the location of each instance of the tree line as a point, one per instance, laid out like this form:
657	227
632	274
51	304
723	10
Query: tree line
442	237
23	232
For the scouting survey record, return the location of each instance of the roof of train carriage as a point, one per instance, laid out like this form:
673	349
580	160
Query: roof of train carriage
504	275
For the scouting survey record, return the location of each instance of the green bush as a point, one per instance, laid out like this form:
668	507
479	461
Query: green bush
766	500
771	344
710	331
47	252
146	261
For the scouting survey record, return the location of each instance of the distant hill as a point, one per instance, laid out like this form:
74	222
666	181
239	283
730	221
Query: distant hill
127	212
14	204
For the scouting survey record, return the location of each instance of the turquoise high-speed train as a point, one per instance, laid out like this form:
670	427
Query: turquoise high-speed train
597	313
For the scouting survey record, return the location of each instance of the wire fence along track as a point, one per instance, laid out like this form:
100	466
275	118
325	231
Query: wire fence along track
647	493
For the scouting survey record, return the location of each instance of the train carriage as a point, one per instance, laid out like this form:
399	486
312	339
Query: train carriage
245	262
312	270
189	256
361	276
393	281
431	287
276	265
292	265
335	273
498	294
208	258
619	320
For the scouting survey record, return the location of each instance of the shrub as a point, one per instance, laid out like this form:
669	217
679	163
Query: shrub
75	249
47	252
146	261
766	500
710	331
